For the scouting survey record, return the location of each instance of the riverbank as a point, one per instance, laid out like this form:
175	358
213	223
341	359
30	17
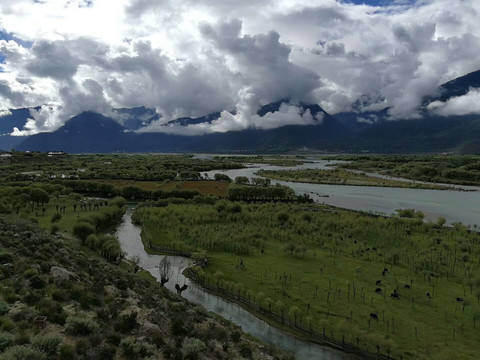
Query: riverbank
295	330
345	177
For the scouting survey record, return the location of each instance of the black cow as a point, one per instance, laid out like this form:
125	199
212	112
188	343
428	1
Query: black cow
378	282
374	316
428	295
459	299
378	290
395	295
407	286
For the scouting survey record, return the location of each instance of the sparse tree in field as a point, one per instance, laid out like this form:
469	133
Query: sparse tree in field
165	270
441	221
218	276
290	247
294	312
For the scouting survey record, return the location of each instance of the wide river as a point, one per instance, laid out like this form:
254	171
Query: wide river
454	205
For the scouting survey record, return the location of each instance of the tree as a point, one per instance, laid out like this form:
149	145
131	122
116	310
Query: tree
294	312
222	177
82	229
241	180
165	270
441	221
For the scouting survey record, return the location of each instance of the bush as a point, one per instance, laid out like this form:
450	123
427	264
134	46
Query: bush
81	326
48	343
3	308
6	340
67	352
191	347
126	323
22	352
82	230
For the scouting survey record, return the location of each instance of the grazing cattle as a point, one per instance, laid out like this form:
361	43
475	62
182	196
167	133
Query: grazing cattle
395	295
374	249
374	316
407	286
378	290
385	269
378	282
459	299
428	295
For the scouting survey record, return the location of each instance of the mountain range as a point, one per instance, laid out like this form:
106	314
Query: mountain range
92	132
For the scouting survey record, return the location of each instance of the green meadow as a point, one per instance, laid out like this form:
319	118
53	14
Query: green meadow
321	268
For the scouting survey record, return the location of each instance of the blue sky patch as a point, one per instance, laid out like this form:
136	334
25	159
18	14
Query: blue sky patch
381	2
9	36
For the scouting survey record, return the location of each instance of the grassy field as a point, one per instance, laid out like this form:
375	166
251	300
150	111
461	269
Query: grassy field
319	267
343	177
441	168
214	188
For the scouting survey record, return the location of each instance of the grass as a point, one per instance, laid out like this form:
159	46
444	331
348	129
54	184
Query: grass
215	188
333	283
343	177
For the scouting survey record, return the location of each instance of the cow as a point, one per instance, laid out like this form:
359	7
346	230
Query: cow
378	282
395	295
407	286
378	290
374	316
459	299
428	295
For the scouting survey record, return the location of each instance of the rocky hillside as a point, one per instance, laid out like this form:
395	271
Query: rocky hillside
58	301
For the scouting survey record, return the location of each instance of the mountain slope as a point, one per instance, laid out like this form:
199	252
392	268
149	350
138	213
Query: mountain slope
14	118
90	132
87	132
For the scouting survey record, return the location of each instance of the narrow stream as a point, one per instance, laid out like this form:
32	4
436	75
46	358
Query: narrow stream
131	243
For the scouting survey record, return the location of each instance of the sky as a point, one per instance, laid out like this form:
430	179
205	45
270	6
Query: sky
195	57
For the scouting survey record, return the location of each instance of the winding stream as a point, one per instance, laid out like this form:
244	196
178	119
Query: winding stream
131	243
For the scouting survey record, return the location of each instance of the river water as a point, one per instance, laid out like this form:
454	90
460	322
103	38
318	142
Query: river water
454	205
129	237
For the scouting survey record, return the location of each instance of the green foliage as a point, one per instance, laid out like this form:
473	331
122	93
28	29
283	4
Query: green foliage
315	273
47	343
192	348
81	326
82	230
22	352
67	352
6	340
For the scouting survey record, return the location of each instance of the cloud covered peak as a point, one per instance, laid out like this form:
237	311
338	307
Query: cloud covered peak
191	58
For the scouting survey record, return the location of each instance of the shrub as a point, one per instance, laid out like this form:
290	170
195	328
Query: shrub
81	326
6	340
48	343
82	230
22	352
191	347
107	352
126	323
3	308
67	352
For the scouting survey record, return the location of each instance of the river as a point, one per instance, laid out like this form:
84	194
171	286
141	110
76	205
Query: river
129	237
454	205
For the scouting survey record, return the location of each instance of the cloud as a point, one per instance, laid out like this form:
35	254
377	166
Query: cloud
287	114
460	105
191	58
